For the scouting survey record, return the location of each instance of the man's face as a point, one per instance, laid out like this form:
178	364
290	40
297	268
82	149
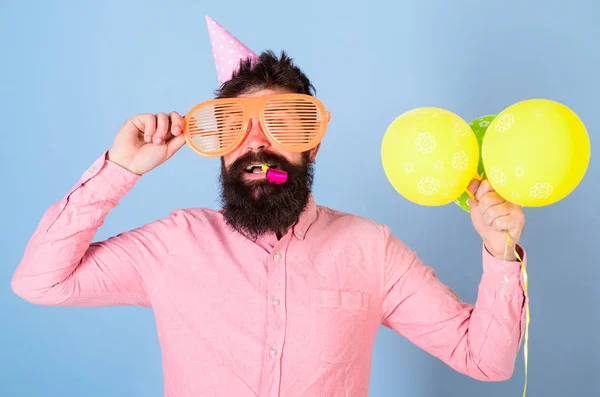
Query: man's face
257	141
253	205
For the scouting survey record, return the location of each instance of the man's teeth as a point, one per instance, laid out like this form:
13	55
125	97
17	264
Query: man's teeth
256	168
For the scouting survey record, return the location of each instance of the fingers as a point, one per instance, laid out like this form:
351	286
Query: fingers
145	124
175	144
158	128
499	213
496	212
176	123
492	213
168	131
472	188
506	222
162	129
489	203
490	200
484	188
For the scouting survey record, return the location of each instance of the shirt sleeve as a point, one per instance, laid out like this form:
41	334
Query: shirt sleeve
62	267
480	340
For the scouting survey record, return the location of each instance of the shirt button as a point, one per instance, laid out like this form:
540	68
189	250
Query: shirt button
92	169
277	256
273	352
276	302
299	233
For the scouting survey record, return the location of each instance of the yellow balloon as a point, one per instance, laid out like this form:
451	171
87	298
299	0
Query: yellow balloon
430	155
536	152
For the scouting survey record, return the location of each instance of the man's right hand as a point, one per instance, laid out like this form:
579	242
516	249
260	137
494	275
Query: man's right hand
147	140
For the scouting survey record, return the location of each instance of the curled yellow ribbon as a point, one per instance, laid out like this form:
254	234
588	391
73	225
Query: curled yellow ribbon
526	288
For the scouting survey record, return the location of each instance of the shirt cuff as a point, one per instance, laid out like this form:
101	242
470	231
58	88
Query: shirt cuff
108	179
500	273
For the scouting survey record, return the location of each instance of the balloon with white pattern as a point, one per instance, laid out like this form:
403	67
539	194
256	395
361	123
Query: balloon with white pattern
536	152
430	155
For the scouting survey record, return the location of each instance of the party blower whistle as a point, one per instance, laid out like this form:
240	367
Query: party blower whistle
274	175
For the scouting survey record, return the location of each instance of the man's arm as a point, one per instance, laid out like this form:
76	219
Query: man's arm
481	340
60	266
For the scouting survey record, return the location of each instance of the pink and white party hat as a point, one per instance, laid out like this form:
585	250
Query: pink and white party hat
227	50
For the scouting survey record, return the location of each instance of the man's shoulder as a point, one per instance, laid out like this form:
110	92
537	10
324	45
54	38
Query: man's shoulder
334	218
194	216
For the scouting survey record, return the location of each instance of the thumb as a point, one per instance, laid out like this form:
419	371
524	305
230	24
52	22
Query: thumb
472	188
175	144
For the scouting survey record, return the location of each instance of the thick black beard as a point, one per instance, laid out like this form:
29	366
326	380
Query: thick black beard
254	208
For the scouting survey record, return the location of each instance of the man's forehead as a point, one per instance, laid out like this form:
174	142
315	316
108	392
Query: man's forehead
258	92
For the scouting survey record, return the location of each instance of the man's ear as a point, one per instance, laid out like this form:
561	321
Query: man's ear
312	154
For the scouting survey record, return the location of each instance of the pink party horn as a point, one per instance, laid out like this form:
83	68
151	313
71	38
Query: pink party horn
274	175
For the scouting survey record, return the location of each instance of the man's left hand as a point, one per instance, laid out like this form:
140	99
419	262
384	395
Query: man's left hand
492	216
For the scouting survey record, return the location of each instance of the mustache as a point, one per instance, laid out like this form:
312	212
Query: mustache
260	157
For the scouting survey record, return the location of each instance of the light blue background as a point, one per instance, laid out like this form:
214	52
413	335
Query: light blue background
71	74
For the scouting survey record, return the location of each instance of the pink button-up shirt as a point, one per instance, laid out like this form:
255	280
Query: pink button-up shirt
238	316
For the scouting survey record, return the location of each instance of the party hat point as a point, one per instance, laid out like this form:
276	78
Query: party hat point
228	50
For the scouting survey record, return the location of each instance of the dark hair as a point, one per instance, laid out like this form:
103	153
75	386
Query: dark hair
269	72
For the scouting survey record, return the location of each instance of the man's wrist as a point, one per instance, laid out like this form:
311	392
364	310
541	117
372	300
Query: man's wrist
112	158
509	257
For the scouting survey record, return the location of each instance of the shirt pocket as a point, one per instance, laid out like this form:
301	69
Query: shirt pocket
337	324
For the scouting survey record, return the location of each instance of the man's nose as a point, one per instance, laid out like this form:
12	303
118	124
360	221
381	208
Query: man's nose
256	139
